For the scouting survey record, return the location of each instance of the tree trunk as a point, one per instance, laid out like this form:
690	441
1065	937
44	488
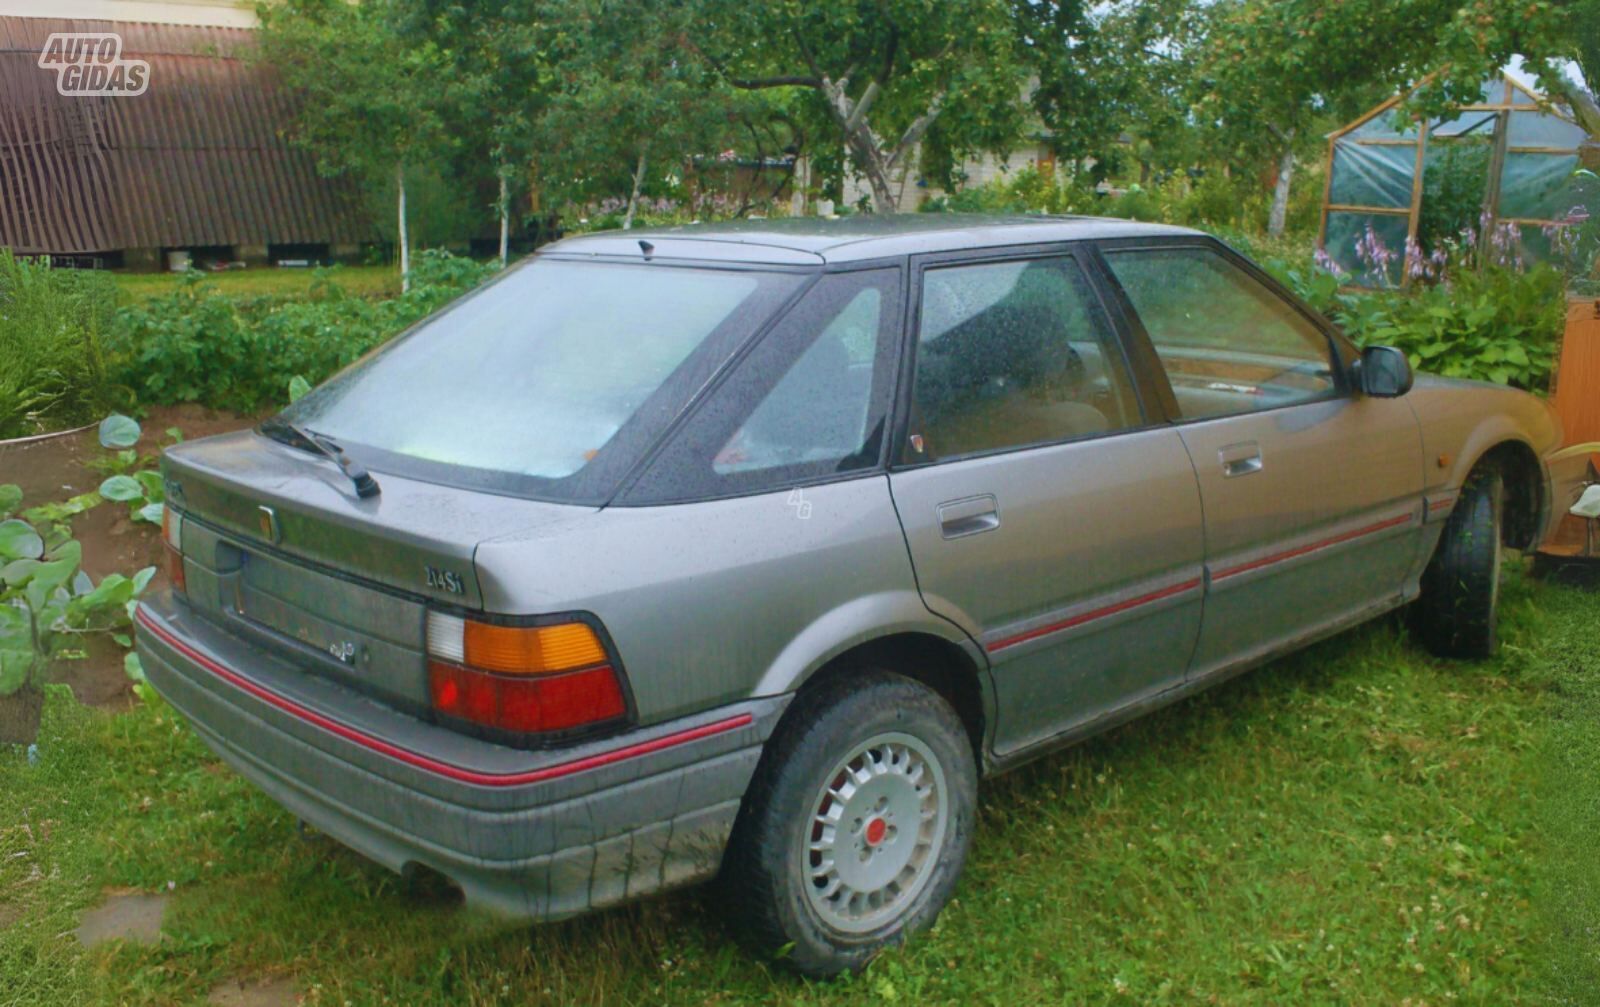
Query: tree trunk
1278	218
633	197
867	151
505	213
883	200
405	247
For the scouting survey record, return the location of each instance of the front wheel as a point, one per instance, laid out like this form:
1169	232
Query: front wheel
1459	612
857	824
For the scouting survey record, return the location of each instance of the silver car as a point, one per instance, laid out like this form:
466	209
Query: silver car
746	550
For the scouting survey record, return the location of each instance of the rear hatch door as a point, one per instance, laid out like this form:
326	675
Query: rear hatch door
279	549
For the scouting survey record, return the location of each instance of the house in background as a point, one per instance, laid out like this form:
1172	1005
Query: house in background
198	162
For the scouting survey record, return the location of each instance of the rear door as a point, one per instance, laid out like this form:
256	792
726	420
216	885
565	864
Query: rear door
1312	493
1045	513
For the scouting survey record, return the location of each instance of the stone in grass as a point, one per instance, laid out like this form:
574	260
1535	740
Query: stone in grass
259	993
129	917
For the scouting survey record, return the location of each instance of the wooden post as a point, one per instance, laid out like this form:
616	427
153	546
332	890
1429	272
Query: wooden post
1327	195
1415	221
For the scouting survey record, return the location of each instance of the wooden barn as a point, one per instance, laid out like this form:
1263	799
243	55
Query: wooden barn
189	156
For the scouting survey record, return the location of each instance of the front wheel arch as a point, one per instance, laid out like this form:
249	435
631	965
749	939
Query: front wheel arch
1524	503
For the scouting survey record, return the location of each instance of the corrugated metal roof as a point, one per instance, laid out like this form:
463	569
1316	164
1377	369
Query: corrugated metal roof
198	159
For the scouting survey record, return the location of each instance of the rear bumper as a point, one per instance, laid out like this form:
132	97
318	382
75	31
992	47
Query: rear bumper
536	835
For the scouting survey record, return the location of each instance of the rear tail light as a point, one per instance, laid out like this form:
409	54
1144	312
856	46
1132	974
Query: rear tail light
172	547
522	679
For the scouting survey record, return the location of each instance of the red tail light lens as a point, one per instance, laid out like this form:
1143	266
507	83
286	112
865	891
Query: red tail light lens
527	705
523	679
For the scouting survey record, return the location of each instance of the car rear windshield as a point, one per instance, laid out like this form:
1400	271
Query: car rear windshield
548	382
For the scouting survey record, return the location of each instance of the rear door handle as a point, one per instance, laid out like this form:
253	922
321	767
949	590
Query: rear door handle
1240	459
968	516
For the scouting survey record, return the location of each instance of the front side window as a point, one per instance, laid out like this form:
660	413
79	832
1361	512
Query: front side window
1228	343
1012	354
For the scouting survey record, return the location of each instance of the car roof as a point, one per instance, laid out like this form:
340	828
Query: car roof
816	241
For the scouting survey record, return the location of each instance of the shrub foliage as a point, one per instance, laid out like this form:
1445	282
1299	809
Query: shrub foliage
196	345
1495	323
52	321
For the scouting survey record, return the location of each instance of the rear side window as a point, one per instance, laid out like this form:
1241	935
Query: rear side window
1012	354
1228	343
809	402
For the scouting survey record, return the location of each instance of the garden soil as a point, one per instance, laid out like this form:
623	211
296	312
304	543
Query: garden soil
58	468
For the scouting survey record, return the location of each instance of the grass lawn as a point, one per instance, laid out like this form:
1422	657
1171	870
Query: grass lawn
376	281
1358	824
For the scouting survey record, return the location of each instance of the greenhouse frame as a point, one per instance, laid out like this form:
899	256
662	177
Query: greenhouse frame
1495	175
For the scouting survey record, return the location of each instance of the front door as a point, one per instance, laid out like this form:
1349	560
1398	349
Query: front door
1044	514
1312	493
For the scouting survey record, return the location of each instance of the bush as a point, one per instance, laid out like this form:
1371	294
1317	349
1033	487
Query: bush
1495	323
1027	190
51	369
195	345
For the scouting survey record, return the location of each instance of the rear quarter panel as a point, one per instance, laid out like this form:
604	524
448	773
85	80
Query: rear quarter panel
713	602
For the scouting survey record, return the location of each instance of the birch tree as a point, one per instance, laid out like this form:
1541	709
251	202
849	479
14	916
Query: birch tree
368	99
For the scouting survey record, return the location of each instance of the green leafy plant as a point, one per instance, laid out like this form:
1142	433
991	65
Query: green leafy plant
141	488
1490	324
46	599
52	368
198	345
142	492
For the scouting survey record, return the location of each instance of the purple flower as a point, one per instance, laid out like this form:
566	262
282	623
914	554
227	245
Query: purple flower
1329	263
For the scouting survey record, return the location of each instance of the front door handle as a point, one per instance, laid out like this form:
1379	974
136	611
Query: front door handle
968	516
1240	459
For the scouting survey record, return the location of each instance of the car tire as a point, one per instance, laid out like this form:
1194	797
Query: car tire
1458	612
856	825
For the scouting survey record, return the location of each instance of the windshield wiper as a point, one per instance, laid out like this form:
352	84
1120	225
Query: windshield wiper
275	427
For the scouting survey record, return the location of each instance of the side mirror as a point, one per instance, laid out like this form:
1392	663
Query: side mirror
1383	373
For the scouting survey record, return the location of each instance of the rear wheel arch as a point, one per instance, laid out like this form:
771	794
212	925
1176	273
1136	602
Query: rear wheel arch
928	659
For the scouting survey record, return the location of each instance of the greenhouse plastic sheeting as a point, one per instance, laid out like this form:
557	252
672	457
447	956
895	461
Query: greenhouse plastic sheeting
1480	124
1536	129
1537	186
1532	145
1372	175
1345	230
1385	126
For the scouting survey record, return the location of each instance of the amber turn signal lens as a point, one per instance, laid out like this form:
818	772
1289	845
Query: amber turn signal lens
531	650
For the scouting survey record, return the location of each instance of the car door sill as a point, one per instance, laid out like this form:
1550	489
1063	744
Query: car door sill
998	762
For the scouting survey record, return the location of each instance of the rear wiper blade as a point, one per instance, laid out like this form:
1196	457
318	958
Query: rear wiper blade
366	486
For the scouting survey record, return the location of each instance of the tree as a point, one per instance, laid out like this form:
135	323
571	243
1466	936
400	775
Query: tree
1104	72
501	79
632	98
1550	35
369	100
1270	73
1272	68
879	73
